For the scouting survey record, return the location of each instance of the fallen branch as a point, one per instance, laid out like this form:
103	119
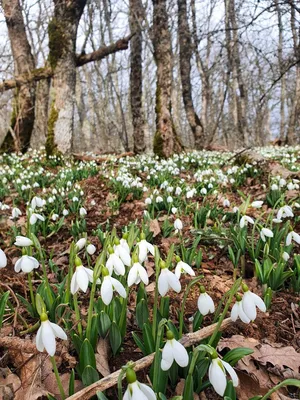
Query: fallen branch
111	380
82	157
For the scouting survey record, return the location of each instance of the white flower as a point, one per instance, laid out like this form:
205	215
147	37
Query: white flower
123	243
26	264
238	312
3	259
114	263
80	243
91	249
174	210
169	199
226	203
217	375
257	204
65	212
148	201
108	286
34	217
292	236
178	225
37	202
82	211
183	267
265	232
122	252
136	274
54	217
144	248
23	241
93	203
178	191
250	301
45	338
203	191
15	213
285	256
205	303
290	186
173	350
274	187
159	199
168	280
81	278
244	221
139	391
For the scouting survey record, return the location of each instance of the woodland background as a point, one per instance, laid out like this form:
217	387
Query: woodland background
112	75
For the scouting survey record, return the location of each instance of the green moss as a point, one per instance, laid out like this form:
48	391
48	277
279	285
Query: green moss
50	143
158	144
56	42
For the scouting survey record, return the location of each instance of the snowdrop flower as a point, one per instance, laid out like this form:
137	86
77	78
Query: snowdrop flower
169	199
109	284
235	209
65	212
15	213
217	375
82	211
34	217
285	256
292	236
144	248
274	187
137	390
114	263
137	273
80	244
238	312
174	210
250	301
48	331
290	186
244	221
285	212
3	259
173	350
26	264
93	203
226	203
122	253
123	243
257	204
23	241
81	277
148	201
37	202
205	302
178	191
75	199
183	267
178	225
265	232
159	199
91	249
203	191
167	280
54	217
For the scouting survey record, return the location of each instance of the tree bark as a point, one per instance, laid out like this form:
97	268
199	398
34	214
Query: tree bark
22	119
166	141
185	55
136	75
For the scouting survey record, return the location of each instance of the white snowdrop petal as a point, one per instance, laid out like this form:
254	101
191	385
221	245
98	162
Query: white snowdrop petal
48	338
38	340
59	332
3	259
163	285
90	274
232	373
118	287
258	302
147	391
173	281
217	377
18	265
74	284
143	275
132	276
82	278
106	291
249	306
234	312
180	354
126	395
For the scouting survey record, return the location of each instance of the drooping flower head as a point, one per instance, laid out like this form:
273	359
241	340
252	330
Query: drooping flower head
114	263
173	350
137	390
250	301
217	374
48	331
205	302
167	280
3	259
137	273
144	248
109	285
81	277
183	267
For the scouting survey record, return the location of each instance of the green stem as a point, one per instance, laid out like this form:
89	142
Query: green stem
70	273
232	292
31	329
156	367
186	293
59	384
90	312
78	316
155	305
287	382
31	290
120	378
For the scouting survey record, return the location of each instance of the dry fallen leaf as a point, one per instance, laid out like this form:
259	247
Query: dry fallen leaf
102	356
154	227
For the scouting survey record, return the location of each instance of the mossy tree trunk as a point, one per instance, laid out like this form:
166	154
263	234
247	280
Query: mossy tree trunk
22	120
166	141
136	17
185	56
62	59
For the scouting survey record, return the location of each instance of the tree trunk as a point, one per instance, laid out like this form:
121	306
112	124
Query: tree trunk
39	134
22	120
62	32
166	141
185	55
136	76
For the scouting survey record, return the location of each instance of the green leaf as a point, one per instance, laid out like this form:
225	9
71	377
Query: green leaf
161	396
101	396
89	375
77	342
104	324
234	355
115	338
142	313
40	305
28	306
230	391
148	339
72	383
50	397
94	330
87	356
139	343
188	392
165	307
3	302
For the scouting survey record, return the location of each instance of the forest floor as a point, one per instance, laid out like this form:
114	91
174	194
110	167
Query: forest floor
114	193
